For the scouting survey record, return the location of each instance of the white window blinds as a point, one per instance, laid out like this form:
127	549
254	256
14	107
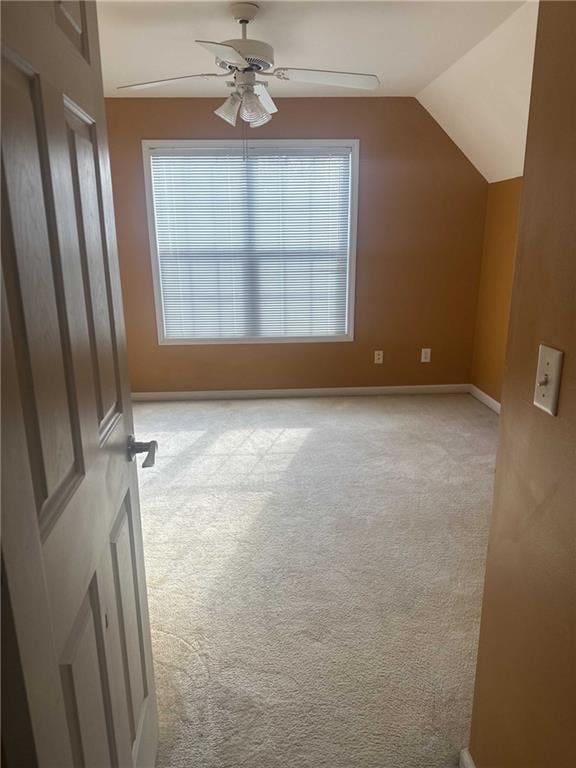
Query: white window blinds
252	248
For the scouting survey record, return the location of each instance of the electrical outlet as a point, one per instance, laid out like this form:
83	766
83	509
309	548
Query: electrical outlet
378	357
425	355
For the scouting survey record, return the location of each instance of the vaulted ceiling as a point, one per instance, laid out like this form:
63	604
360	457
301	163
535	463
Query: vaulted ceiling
469	63
482	100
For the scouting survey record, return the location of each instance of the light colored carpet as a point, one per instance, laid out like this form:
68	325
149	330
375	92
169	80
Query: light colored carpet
315	573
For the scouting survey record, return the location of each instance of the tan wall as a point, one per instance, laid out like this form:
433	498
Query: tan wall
525	700
496	286
421	219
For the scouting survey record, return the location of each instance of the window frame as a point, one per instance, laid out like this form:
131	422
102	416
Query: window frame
148	147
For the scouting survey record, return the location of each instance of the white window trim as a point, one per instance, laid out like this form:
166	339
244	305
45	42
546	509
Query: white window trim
149	145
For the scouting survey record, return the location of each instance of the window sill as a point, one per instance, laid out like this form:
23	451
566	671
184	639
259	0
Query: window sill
259	340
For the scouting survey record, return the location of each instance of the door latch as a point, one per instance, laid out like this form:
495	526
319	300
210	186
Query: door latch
150	448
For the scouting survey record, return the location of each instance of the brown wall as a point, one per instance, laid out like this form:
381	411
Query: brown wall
525	700
496	286
420	229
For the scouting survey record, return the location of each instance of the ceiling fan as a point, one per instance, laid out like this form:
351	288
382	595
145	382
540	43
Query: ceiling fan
245	60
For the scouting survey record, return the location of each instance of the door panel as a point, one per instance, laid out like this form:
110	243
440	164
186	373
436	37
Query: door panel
72	543
90	223
32	271
86	690
71	18
129	618
37	661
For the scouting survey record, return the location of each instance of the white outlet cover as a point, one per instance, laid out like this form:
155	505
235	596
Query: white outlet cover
425	355
548	375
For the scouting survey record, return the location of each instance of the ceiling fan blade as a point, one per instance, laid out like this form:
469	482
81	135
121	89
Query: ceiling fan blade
168	80
225	53
326	77
267	102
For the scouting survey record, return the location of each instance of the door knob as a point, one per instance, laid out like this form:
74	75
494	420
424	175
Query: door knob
149	448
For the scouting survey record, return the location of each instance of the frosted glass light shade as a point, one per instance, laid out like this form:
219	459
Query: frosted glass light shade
252	111
265	118
229	110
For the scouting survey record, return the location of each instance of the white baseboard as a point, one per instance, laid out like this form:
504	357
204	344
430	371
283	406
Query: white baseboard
466	759
259	394
494	405
254	394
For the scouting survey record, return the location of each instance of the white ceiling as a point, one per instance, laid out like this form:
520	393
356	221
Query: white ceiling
407	44
482	101
469	63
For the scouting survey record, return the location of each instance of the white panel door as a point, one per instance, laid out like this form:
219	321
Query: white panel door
74	586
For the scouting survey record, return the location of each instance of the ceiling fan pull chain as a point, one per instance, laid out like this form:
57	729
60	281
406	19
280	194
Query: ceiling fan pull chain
245	141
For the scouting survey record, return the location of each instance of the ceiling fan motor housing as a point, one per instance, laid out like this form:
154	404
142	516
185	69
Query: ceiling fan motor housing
258	54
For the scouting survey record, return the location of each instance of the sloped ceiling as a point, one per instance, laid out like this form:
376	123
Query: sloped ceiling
407	44
482	100
468	62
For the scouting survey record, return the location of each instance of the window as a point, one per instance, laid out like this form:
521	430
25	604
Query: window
254	248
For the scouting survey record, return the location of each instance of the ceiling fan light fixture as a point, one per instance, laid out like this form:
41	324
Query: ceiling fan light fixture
252	111
229	110
243	58
265	118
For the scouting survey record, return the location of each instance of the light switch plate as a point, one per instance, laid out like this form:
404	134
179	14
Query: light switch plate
548	379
